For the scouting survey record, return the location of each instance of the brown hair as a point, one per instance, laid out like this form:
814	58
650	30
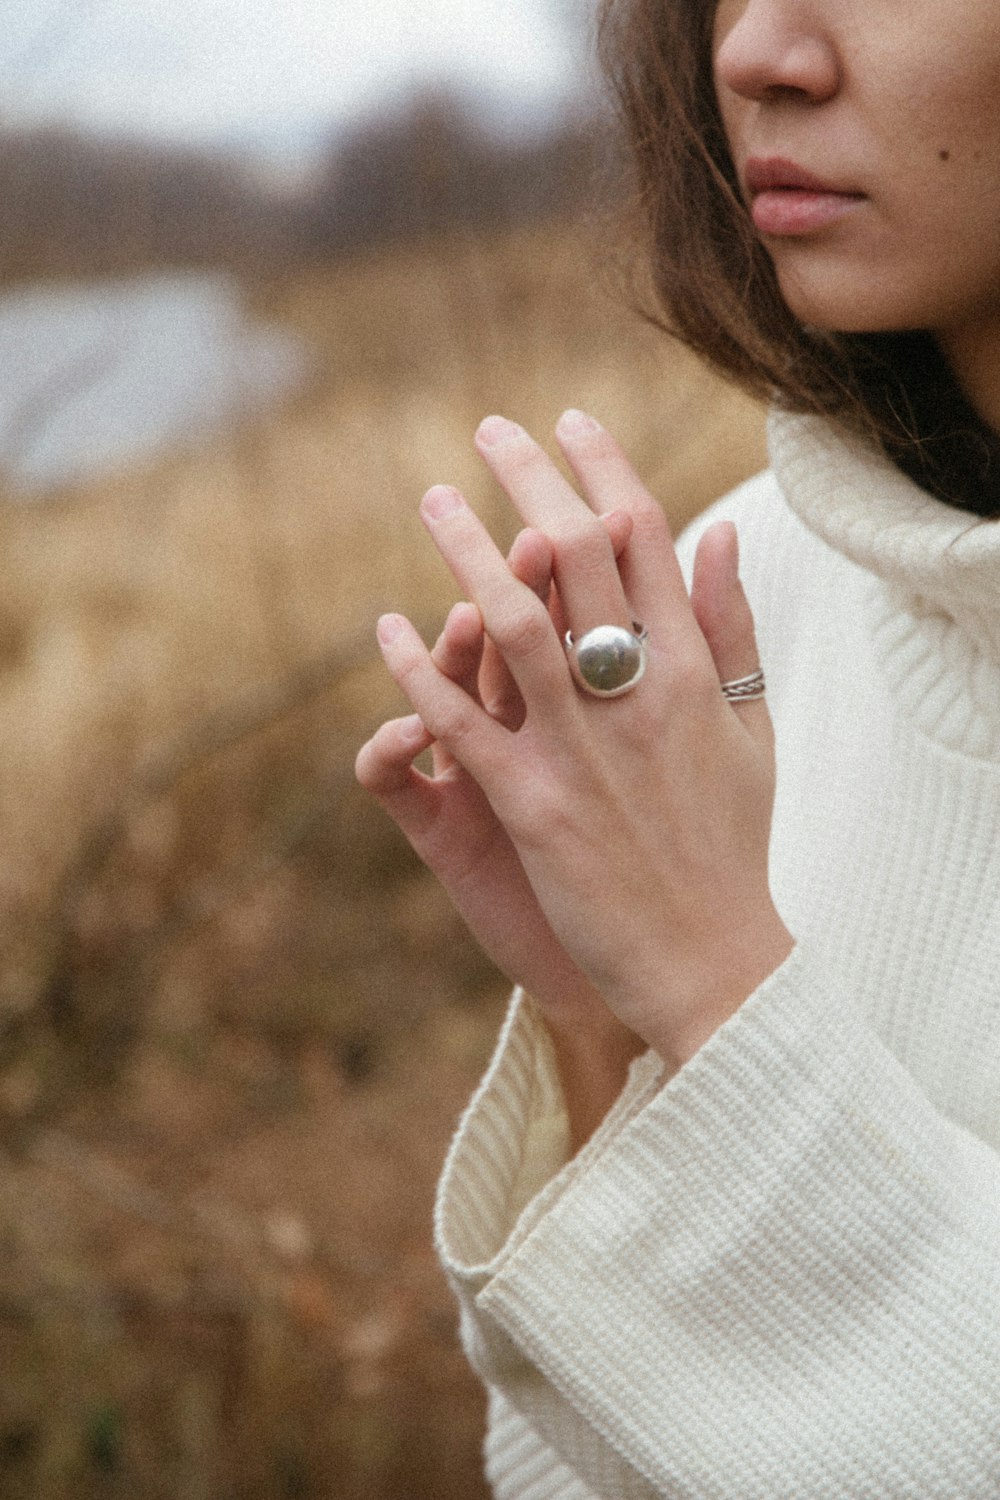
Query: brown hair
712	283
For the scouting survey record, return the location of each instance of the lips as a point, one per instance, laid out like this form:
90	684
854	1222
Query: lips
774	173
787	199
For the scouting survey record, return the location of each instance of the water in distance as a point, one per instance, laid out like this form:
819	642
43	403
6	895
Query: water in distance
95	375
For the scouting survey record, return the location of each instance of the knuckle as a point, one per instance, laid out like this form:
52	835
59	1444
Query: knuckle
524	633
584	547
690	680
453	721
728	626
541	817
374	767
650	520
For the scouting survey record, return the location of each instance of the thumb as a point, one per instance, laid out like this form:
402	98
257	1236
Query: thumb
723	612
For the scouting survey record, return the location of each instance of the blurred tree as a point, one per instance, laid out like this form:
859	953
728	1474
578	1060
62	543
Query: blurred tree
434	166
75	205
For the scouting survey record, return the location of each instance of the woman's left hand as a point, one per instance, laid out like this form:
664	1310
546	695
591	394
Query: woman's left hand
643	821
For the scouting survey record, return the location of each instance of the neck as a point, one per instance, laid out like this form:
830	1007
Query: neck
927	422
973	353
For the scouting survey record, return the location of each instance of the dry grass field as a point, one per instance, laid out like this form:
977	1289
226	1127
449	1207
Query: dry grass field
238	1020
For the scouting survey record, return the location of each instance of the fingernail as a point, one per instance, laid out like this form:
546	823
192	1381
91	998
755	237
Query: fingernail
463	610
412	729
493	431
440	501
388	628
574	423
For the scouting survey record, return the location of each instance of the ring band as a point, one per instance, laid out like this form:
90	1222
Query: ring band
743	689
608	660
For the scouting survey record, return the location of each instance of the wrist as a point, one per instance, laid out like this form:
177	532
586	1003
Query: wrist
593	1050
715	991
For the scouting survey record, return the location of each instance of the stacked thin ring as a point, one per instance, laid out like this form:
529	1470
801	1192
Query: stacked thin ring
609	660
742	689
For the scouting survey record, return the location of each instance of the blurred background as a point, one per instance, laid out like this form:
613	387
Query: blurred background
263	268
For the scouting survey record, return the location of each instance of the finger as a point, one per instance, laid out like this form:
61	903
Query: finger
450	714
459	648
723	613
619	526
650	572
583	558
383	765
458	653
514	617
530	560
411	799
531	556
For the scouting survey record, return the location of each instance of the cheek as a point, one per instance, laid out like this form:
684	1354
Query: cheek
942	200
946	100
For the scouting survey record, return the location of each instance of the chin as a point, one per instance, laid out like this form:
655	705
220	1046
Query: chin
852	312
853	295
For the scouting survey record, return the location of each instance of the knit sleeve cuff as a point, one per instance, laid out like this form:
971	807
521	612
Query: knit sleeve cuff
786	1211
512	1143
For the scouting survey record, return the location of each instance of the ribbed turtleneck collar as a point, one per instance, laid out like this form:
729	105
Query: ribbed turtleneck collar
938	629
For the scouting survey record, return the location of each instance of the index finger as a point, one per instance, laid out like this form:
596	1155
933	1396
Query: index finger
515	618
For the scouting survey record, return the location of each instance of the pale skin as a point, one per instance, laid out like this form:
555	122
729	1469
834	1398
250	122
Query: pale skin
612	856
609	855
895	101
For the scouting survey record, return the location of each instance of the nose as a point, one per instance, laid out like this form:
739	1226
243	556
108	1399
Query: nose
769	49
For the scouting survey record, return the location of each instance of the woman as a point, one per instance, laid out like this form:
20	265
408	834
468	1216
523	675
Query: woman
724	1216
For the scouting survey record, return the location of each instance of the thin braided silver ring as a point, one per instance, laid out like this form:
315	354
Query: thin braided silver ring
743	689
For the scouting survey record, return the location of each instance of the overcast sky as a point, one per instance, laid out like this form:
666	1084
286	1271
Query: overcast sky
275	73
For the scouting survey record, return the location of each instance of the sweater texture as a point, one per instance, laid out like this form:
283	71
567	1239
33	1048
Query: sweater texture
776	1274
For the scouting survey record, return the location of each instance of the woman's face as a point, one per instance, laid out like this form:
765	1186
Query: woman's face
866	136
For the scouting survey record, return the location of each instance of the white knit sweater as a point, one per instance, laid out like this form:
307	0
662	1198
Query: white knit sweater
777	1276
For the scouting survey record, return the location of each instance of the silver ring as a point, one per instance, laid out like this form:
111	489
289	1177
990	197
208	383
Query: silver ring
742	689
608	660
